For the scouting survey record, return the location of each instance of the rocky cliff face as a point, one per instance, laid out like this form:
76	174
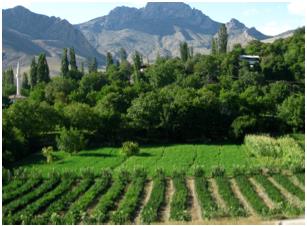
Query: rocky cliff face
26	34
157	28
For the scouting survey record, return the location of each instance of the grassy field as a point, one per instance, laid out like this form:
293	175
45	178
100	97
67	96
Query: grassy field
168	158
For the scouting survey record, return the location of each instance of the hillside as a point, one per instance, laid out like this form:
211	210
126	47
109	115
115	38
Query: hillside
22	40
158	28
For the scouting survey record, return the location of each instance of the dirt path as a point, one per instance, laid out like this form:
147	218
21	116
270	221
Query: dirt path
261	192
214	189
296	182
166	210
145	199
238	193
195	209
291	198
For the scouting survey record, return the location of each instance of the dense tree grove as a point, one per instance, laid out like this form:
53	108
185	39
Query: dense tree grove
195	98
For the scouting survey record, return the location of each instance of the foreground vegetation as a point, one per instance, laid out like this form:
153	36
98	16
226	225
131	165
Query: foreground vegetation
89	199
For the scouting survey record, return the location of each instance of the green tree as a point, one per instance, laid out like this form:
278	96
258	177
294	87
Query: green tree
42	69
184	51
92	65
109	60
70	140
33	73
64	63
48	153
137	61
25	81
213	46
292	111
222	39
123	55
72	56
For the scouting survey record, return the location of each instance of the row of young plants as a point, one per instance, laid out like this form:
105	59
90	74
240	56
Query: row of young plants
233	204
249	192
23	201
101	213
128	206
25	216
77	210
150	212
12	194
301	178
51	214
12	185
282	206
180	199
208	205
287	184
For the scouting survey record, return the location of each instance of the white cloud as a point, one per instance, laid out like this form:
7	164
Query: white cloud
297	7
274	28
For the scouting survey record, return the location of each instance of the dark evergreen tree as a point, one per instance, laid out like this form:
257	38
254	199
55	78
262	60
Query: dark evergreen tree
73	63
33	73
137	61
184	51
25	81
109	60
92	65
64	63
123	55
213	46
222	39
82	68
8	77
42	69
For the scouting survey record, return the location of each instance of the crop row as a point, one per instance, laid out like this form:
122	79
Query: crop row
287	184
62	204
301	177
234	206
129	204
26	215
13	185
208	205
150	212
77	209
106	203
248	190
180	199
23	201
8	196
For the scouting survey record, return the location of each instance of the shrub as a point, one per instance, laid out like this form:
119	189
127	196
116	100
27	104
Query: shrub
217	171
130	148
48	153
70	140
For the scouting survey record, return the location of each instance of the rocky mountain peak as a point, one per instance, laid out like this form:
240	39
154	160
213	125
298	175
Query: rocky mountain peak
234	24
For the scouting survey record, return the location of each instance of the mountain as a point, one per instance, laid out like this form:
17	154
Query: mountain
26	34
158	28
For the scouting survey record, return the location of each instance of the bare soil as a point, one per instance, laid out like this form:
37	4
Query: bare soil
195	208
261	192
297	183
166	209
145	199
291	198
242	199
214	189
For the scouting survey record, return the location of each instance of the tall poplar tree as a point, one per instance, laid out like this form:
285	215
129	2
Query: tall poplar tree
123	55
33	73
109	60
42	69
184	51
64	63
222	39
73	63
213	46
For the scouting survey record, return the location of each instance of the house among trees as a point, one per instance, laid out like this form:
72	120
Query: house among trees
251	59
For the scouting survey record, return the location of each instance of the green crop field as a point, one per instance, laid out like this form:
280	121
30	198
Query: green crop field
120	198
168	158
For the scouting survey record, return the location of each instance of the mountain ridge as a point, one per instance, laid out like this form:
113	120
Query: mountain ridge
157	28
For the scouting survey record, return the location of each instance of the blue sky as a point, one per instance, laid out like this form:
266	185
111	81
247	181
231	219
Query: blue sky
269	18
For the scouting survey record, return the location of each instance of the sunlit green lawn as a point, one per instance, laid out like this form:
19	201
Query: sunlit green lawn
168	158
